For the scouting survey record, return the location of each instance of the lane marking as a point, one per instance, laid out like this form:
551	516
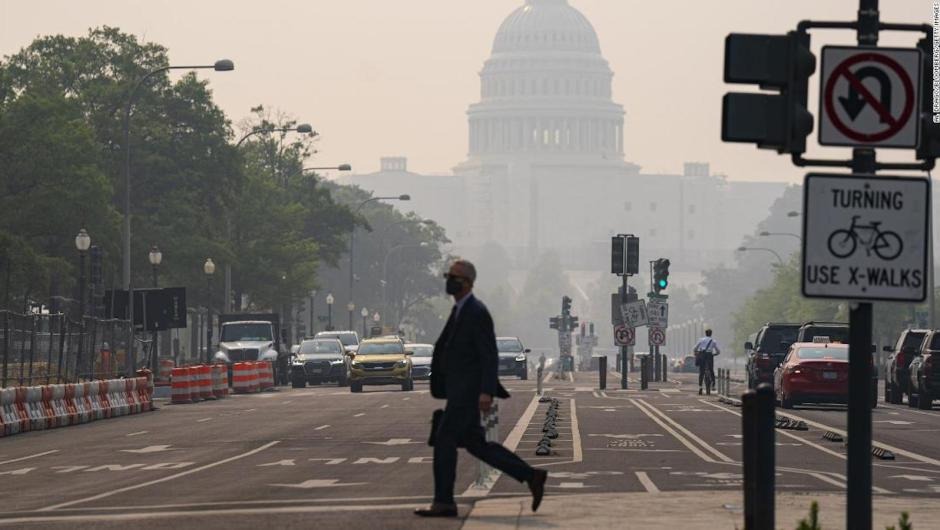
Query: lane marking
159	480
359	415
893	449
511	443
575	435
675	434
385	406
320	428
690	434
138	433
843	478
288	402
204	419
647	482
829	480
204	513
37	455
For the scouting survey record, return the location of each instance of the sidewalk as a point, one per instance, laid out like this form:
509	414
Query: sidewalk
688	510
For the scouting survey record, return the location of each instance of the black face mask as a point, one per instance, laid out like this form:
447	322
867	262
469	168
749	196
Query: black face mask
453	286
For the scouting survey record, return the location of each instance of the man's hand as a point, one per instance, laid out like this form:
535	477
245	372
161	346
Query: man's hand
486	402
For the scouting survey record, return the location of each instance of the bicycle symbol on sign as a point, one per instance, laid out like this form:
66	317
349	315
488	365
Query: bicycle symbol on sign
886	244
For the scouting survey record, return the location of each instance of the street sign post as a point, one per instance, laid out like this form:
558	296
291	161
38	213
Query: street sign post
634	313
865	237
624	336
870	97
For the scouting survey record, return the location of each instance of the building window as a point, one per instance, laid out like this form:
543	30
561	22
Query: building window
652	206
627	206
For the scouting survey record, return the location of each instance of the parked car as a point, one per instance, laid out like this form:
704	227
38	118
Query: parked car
420	360
897	368
319	361
766	349
924	373
512	357
381	361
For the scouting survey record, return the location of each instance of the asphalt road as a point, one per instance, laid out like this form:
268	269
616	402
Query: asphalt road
286	458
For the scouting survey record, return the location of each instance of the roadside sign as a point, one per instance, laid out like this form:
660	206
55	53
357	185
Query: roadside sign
865	237
634	313
657	336
869	97
658	313
624	336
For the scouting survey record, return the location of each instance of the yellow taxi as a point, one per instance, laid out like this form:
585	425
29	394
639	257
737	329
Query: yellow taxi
381	361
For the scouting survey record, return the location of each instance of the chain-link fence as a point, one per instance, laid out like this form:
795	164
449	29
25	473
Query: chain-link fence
47	349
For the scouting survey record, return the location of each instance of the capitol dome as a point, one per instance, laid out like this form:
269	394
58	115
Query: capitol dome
546	90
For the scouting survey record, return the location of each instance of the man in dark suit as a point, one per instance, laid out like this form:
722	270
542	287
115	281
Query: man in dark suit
463	371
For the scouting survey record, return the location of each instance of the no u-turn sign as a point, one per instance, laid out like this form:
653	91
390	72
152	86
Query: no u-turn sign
869	97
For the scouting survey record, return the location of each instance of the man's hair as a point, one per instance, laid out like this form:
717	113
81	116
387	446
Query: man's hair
468	267
708	333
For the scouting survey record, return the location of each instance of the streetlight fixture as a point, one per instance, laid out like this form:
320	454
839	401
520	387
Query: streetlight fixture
365	315
774	252
222	65
155	257
350	307
303	128
788	234
352	235
82	243
209	268
329	306
793	214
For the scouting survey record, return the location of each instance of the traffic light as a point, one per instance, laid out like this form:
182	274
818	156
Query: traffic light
783	63
565	305
554	322
929	147
617	255
660	275
633	255
572	323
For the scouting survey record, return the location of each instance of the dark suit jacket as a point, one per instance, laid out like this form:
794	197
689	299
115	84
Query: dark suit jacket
465	360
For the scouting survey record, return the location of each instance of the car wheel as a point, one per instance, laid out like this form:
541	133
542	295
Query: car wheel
341	381
889	396
897	395
786	402
298	383
924	400
912	400
355	387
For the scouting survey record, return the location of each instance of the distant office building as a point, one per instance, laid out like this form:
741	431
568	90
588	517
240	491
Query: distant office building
546	168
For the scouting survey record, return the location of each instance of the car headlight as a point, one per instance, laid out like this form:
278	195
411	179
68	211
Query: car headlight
520	358
402	363
356	364
336	361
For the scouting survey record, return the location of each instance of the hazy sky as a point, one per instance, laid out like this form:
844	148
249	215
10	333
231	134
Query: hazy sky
394	77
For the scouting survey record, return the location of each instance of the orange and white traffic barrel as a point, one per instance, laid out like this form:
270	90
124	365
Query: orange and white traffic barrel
179	386
265	376
241	378
193	372
254	384
205	382
219	386
166	368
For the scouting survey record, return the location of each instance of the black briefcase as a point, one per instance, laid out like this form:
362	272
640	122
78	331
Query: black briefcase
435	423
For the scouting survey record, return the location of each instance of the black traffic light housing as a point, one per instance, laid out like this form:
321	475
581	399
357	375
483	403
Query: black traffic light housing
929	148
565	305
617	261
554	322
783	63
660	275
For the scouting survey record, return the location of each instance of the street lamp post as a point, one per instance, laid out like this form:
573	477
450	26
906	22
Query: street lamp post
222	65
82	243
365	315
155	257
208	268
352	237
313	299
329	309
350	307
377	319
763	249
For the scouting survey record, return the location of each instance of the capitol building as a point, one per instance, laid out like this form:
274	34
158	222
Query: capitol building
547	168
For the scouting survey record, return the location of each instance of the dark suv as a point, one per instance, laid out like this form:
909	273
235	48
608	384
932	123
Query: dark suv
924	373
766	349
512	357
897	376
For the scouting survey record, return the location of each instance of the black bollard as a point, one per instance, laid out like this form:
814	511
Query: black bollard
644	372
757	428
665	366
602	368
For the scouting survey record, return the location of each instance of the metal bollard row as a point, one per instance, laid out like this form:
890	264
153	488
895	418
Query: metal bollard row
549	429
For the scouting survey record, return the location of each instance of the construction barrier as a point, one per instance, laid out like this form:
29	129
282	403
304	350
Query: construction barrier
254	384
265	375
205	381
35	408
241	378
219	381
166	371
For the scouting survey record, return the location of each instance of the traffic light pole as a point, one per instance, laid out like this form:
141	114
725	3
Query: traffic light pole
624	366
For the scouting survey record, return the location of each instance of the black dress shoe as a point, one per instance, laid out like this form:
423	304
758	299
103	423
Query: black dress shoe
537	487
438	510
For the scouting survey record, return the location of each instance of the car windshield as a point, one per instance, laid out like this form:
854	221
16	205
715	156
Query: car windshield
770	341
246	332
422	351
348	339
509	345
840	354
935	342
381	348
321	346
835	333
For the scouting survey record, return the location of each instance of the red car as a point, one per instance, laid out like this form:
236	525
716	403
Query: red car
813	373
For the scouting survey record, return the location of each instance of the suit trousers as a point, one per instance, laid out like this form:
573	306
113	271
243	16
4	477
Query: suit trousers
460	426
